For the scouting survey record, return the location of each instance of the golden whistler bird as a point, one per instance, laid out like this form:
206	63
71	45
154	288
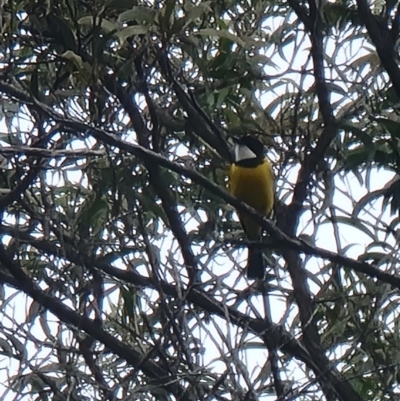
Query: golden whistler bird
251	180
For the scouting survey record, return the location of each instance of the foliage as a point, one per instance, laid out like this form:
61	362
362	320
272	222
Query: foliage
130	266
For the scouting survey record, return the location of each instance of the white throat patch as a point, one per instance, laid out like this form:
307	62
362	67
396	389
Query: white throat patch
242	152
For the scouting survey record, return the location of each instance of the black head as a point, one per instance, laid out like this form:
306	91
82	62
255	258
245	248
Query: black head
248	148
253	144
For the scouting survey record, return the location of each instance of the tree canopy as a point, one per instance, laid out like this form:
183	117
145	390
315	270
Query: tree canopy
121	256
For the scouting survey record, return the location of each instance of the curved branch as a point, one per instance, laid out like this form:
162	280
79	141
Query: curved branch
279	237
67	315
156	180
383	41
321	363
302	293
271	334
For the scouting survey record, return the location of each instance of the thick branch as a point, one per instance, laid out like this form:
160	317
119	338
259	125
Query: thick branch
383	42
167	199
199	122
297	273
50	153
67	315
267	331
330	127
280	238
198	297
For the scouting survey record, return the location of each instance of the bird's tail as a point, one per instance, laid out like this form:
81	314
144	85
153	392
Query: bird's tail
255	264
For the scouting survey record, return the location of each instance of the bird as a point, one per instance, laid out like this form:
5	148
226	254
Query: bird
251	180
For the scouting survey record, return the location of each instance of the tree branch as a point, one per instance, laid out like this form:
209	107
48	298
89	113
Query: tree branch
383	41
67	315
156	180
297	272
279	237
270	333
50	153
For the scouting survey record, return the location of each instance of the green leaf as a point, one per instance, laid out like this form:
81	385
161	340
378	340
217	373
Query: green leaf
194	12
106	25
76	60
380	244
221	95
368	198
392	127
357	157
375	257
366	137
62	31
392	196
139	14
371	59
132	31
336	88
261	60
352	222
221	34
92	215
35	83
130	305
166	15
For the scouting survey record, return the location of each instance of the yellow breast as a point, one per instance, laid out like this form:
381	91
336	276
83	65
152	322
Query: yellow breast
255	186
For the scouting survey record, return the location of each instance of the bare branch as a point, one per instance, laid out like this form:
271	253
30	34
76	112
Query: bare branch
50	153
383	41
280	238
67	315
